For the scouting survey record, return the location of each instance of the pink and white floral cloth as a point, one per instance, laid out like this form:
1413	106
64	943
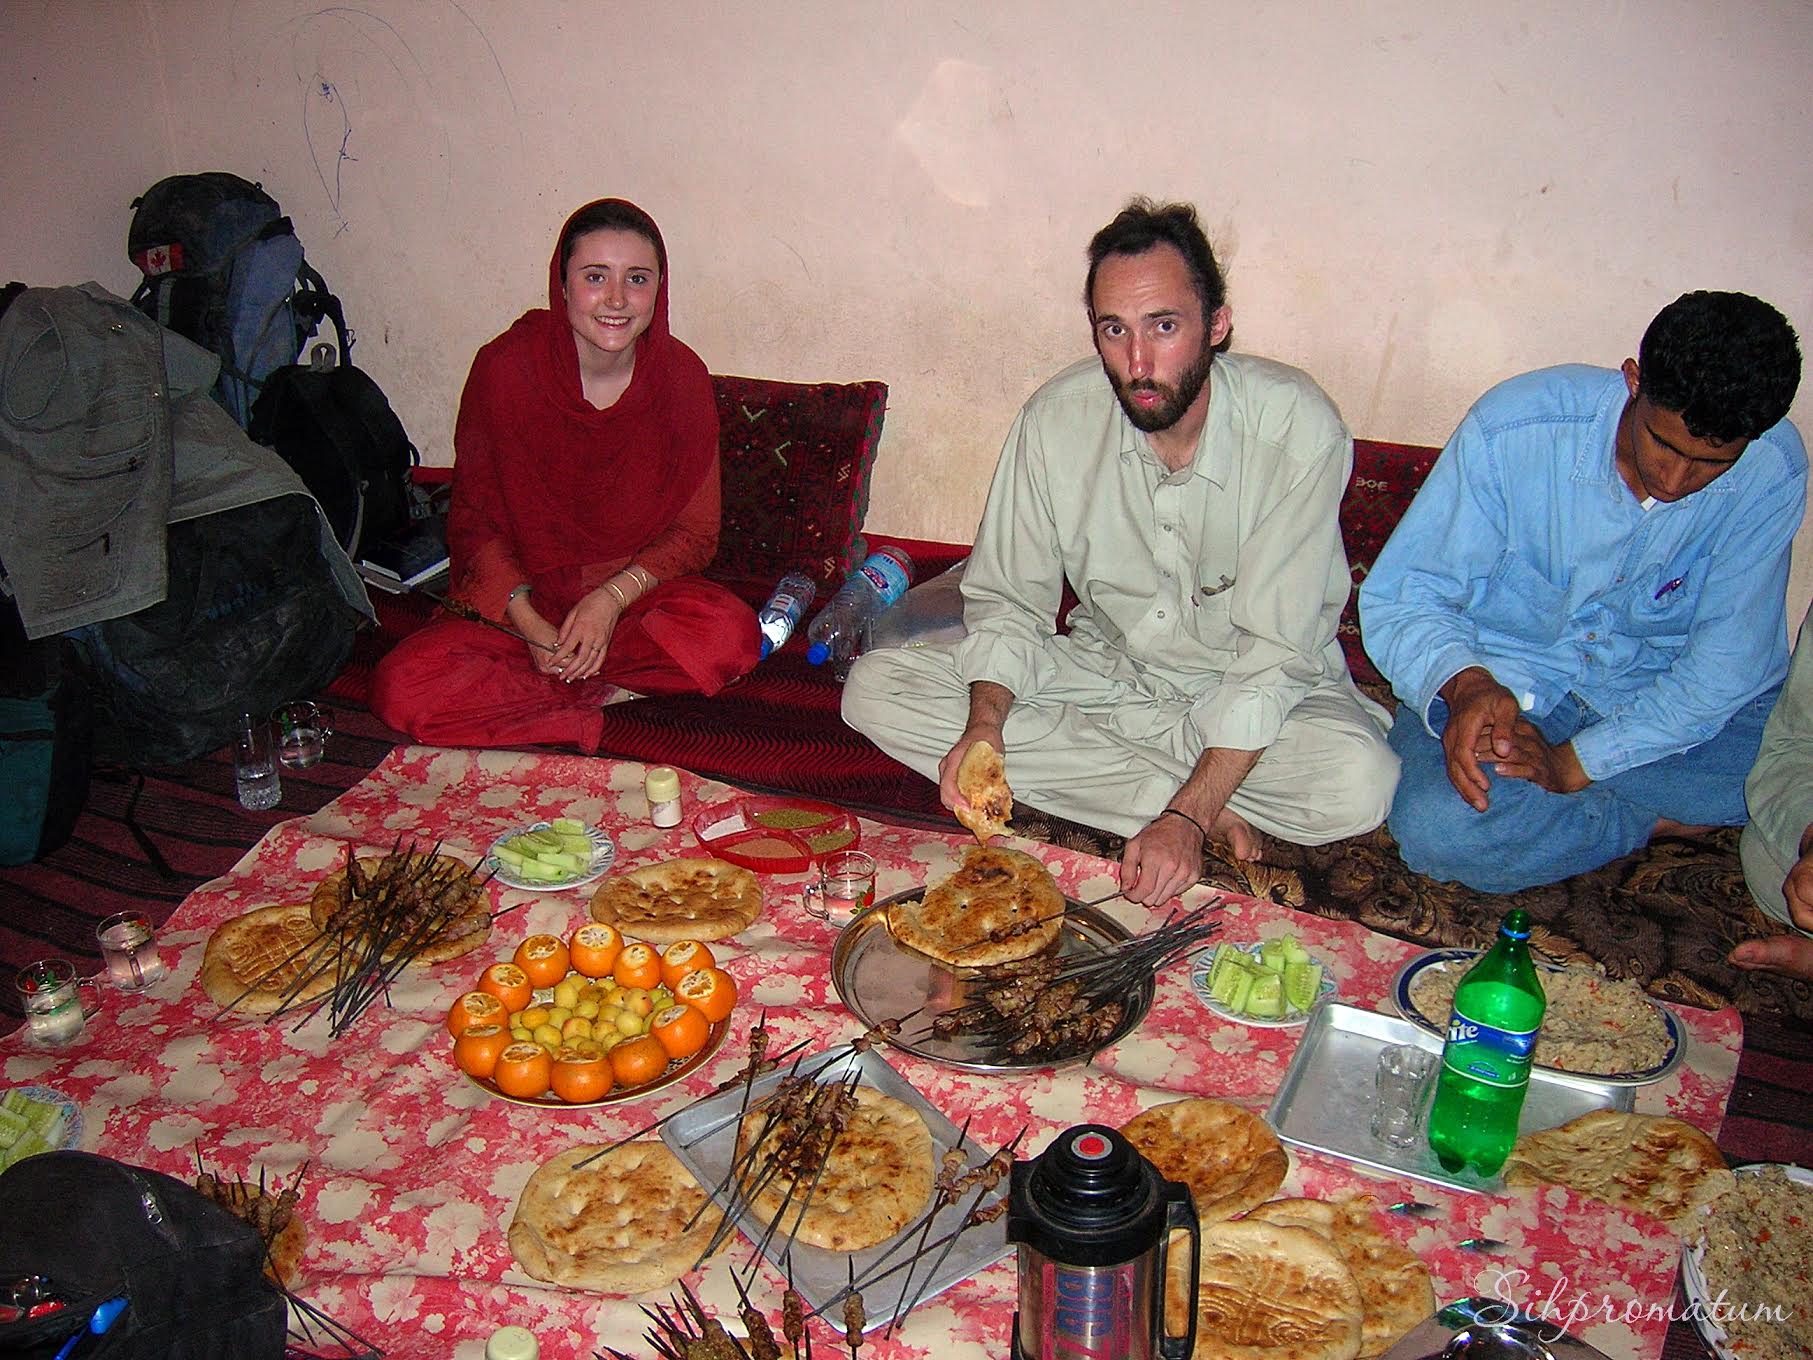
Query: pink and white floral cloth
414	1172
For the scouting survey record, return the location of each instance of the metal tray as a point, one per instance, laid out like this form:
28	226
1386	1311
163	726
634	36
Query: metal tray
704	1136
1325	1102
879	979
1400	998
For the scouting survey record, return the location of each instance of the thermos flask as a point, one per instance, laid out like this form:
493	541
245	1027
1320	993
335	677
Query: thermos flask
1092	1220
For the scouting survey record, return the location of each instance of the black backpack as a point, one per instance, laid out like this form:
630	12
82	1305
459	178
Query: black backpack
222	266
252	620
192	1274
46	733
334	426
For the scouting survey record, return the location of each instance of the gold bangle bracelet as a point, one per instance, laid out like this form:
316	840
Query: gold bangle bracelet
612	587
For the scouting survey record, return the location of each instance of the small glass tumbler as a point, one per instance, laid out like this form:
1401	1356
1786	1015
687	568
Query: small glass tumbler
1406	1074
845	887
255	766
129	946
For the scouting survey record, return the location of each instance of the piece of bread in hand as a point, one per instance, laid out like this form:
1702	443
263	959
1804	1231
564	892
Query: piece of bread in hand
982	780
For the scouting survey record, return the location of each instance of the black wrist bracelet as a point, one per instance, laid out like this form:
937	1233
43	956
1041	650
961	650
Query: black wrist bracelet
1173	812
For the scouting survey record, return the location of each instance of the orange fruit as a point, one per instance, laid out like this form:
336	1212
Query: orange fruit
681	958
638	966
523	1071
543	958
582	1075
594	948
477	1050
509	984
474	1008
681	1030
636	1062
712	990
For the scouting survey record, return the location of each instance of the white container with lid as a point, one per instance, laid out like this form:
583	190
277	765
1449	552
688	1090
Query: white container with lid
662	785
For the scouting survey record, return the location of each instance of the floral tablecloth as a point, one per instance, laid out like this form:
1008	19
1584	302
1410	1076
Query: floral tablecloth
414	1173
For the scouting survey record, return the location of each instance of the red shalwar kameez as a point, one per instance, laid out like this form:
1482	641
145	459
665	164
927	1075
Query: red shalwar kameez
551	492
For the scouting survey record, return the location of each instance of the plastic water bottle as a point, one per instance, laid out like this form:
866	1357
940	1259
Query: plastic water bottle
835	634
1486	1060
785	608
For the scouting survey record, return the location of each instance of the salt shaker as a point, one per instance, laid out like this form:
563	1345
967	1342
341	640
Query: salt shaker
662	785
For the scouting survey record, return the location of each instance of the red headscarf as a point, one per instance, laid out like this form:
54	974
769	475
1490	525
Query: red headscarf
547	484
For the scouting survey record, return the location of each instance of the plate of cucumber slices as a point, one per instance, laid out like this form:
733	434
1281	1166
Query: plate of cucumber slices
1273	983
549	856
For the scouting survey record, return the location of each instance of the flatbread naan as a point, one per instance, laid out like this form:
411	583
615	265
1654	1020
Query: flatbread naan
1662	1167
1229	1157
1266	1292
253	963
982	780
1000	905
680	899
876	1180
283	1249
617	1226
1395	1289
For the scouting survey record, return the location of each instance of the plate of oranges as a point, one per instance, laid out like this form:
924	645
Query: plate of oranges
590	1019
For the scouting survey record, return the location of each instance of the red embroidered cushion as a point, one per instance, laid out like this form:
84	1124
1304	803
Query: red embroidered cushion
1385	481
796	465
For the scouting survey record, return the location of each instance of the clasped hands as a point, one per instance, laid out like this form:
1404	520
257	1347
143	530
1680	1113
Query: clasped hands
1486	726
580	642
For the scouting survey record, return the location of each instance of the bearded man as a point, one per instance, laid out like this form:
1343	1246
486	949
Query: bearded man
1190	497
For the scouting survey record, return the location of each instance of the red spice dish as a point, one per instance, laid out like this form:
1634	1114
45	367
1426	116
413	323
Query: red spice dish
775	834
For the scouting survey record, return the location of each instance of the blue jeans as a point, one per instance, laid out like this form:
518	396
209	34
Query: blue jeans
1528	836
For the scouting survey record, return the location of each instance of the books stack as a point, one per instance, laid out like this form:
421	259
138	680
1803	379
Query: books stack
414	556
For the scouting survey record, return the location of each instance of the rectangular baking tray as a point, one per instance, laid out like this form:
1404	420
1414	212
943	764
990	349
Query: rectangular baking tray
704	1137
1325	1102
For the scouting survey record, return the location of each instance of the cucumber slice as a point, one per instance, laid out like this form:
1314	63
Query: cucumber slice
1294	952
1227	959
577	845
570	826
1237	986
1302	984
1266	999
510	856
1271	956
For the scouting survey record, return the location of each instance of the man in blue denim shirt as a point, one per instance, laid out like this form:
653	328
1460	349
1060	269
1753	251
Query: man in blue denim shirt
1583	611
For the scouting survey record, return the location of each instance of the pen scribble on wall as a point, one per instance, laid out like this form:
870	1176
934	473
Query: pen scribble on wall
399	100
329	129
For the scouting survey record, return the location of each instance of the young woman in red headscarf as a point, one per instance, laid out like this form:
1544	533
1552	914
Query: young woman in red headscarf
585	497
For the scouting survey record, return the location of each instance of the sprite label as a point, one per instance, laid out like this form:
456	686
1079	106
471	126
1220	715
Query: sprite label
1497	1057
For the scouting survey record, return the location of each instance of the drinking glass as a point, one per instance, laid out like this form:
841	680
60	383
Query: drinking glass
255	766
302	732
129	946
51	997
845	887
1406	1074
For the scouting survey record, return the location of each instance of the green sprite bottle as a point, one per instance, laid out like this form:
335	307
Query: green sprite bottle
1486	1061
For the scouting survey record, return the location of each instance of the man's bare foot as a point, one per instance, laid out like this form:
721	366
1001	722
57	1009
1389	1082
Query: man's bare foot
1667	826
1243	842
1789	955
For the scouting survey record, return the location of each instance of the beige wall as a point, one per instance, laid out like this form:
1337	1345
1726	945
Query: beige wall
1413	200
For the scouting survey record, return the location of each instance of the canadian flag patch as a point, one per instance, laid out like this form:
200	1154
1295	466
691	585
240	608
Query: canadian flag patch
160	259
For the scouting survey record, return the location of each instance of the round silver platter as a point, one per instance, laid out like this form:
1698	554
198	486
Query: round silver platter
879	979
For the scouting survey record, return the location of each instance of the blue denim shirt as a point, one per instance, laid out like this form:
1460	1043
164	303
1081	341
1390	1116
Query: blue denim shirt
1525	553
